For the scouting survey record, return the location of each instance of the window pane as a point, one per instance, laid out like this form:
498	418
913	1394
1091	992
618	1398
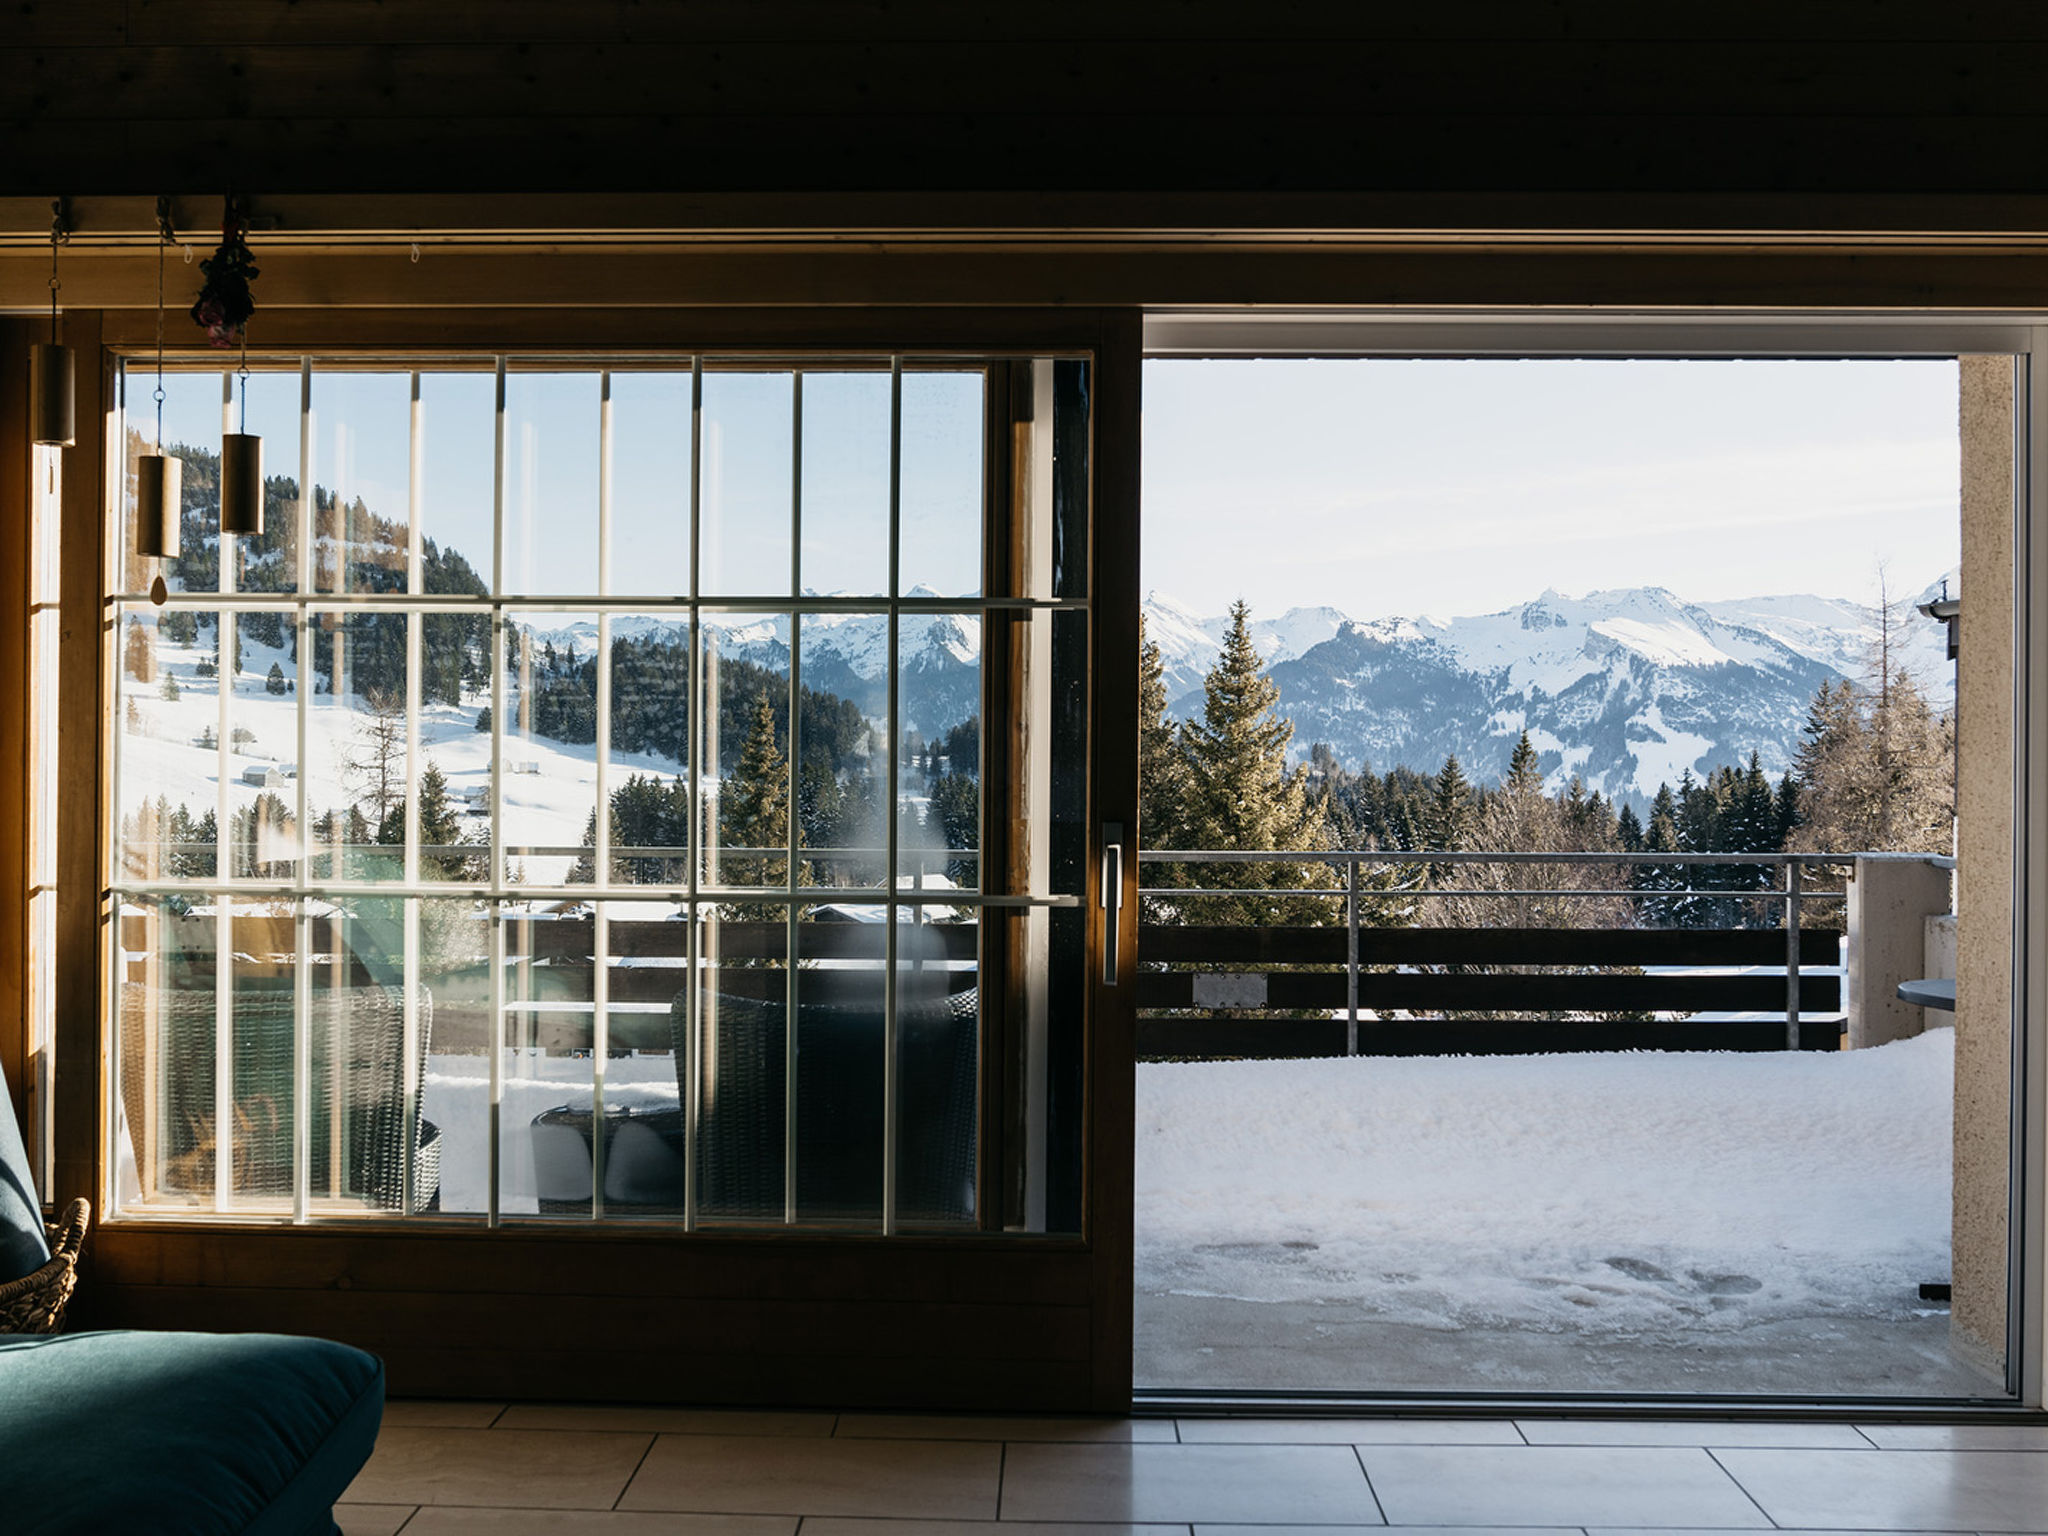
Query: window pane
269	561
191	434
549	756
361	432
746	751
743	1074
458	481
843	747
938	822
942	481
650	539
357	745
551	447
938	1025
455	746
746	489
846	483
455	977
650	751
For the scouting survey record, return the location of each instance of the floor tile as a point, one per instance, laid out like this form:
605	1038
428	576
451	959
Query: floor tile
1348	1432
499	1468
1959	1437
428	1413
663	1421
1837	1437
1204	1529
506	1522
760	1475
1897	1490
832	1527
1267	1484
371	1519
1558	1485
913	1426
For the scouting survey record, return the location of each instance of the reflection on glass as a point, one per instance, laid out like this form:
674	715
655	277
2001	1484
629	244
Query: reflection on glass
938	800
454	985
646	984
551	450
743	1063
648	787
650	539
846	483
549	755
746	510
746	745
361	432
938	1045
458	481
942	479
548	1071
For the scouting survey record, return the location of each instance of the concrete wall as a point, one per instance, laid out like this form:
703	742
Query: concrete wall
1984	874
1891	902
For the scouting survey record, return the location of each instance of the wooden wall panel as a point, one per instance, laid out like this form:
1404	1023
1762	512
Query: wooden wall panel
721	1319
15	452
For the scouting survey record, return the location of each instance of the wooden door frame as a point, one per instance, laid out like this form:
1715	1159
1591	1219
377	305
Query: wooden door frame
987	1320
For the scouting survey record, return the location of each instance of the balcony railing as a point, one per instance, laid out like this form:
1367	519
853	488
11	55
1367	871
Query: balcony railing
1379	973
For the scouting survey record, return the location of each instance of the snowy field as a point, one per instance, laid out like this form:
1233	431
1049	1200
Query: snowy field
1605	1195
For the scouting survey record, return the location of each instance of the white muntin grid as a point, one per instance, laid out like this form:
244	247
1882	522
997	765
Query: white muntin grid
500	893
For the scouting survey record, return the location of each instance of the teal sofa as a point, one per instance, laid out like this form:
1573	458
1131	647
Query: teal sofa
175	1434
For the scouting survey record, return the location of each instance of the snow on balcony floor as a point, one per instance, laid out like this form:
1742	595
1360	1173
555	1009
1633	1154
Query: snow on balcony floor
1585	1204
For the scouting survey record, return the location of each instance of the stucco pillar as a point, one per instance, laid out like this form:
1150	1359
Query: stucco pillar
1984	867
1890	901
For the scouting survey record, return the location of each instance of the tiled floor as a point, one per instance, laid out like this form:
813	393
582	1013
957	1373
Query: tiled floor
483	1469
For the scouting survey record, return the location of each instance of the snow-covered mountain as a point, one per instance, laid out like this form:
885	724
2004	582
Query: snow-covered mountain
843	653
1626	688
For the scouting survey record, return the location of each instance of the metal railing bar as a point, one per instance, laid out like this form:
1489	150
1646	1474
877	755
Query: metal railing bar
1464	856
1624	893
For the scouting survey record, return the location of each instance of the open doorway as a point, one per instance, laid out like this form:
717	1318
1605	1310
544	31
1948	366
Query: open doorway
1597	719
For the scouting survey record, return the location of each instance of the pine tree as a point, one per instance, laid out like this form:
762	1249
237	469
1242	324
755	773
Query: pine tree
138	655
1162	765
275	682
754	812
1241	793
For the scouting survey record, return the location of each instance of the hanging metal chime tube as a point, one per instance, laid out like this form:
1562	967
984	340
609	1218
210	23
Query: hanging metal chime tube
52	388
241	483
159	501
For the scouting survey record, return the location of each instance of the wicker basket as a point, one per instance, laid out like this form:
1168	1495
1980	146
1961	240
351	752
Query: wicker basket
35	1302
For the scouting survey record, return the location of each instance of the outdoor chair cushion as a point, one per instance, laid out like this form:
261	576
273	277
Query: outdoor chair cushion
182	1434
23	1247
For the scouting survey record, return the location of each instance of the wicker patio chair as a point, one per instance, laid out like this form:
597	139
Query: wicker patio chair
357	1044
35	1302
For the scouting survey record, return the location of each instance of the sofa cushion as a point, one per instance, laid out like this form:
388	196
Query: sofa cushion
23	1248
182	1434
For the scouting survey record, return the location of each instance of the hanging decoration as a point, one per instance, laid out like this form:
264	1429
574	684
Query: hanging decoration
224	307
159	477
225	301
52	370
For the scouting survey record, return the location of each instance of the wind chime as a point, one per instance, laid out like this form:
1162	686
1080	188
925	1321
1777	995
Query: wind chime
223	308
159	477
52	371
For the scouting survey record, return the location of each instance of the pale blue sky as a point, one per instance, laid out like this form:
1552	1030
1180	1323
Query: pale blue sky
1457	487
361	438
1375	486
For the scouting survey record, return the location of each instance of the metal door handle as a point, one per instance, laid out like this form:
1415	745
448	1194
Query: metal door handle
1112	897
